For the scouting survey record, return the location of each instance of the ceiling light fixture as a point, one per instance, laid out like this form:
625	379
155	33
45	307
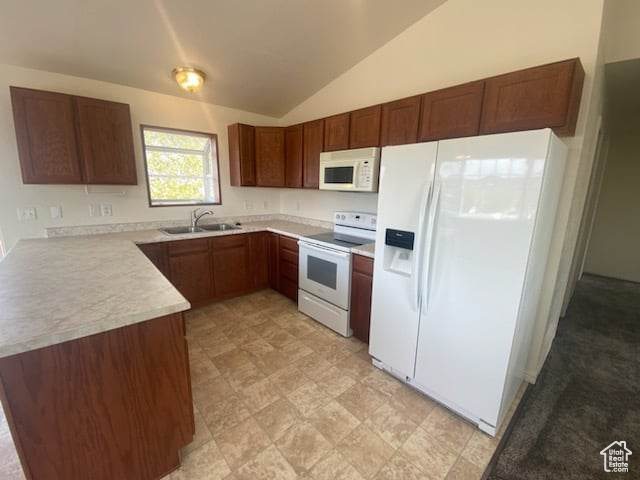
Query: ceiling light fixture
190	79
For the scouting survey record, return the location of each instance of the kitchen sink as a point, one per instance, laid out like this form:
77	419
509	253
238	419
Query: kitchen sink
212	227
182	230
218	227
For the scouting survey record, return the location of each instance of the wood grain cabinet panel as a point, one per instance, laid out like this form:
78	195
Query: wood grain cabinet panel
192	275
106	142
259	259
242	155
539	97
273	252
400	121
313	137
288	267
112	405
364	127
157	253
231	272
270	163
336	132
361	288
293	156
46	136
451	112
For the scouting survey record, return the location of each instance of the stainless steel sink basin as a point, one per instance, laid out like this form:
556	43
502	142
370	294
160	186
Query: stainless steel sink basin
182	230
218	227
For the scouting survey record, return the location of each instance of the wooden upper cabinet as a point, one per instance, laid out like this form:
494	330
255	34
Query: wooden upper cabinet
270	163
106	141
451	112
67	139
336	132
46	136
364	128
313	136
242	155
539	97
293	156
400	121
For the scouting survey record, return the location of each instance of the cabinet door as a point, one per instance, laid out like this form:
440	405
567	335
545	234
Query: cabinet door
157	253
336	132
242	155
46	136
270	157
105	141
259	259
313	137
539	97
288	267
452	112
273	252
293	156
400	121
361	287
364	127
191	275
230	258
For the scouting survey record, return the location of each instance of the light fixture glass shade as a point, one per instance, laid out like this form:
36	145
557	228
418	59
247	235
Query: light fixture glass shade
190	79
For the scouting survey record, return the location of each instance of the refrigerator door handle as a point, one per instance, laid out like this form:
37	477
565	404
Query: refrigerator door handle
433	222
417	277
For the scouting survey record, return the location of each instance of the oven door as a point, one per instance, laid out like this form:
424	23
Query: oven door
325	273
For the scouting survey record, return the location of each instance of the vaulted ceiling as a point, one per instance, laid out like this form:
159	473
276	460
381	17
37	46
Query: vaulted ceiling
263	56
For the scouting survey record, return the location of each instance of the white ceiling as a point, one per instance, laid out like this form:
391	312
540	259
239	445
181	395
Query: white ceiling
263	56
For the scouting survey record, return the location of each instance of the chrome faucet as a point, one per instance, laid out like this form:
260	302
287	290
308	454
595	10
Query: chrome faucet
195	217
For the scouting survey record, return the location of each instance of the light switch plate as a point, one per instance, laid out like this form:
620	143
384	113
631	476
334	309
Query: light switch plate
94	210
56	212
27	214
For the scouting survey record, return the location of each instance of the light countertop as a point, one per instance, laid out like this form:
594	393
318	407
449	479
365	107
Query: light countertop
58	289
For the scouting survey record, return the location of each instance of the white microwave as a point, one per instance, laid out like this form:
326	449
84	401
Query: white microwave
350	170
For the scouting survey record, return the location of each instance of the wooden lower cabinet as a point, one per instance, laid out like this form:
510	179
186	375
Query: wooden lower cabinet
361	287
288	267
230	263
157	253
190	269
259	259
273	253
112	405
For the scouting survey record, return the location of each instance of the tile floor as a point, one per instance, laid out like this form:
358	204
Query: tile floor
279	396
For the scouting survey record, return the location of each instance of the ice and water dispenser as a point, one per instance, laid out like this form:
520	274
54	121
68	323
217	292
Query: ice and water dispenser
398	251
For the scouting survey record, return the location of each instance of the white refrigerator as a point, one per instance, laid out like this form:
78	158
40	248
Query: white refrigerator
464	228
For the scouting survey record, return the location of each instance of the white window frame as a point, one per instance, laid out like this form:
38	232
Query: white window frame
210	177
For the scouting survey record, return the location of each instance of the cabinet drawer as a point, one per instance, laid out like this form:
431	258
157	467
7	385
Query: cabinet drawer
363	265
180	247
289	256
229	241
288	243
289	270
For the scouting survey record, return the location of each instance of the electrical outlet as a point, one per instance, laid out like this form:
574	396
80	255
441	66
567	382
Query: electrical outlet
106	209
248	205
265	205
94	210
27	214
55	212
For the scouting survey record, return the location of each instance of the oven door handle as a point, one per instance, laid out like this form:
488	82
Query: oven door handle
323	249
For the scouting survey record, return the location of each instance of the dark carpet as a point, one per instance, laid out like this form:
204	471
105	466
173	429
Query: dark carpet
587	395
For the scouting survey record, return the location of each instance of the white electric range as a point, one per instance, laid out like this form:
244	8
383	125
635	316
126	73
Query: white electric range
324	274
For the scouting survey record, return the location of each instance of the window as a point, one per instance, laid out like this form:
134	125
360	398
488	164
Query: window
182	167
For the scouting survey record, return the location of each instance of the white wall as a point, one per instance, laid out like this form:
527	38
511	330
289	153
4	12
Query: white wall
146	108
464	40
615	239
622	24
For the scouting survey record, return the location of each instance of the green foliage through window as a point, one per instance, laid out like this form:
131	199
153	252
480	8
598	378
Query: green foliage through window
182	167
